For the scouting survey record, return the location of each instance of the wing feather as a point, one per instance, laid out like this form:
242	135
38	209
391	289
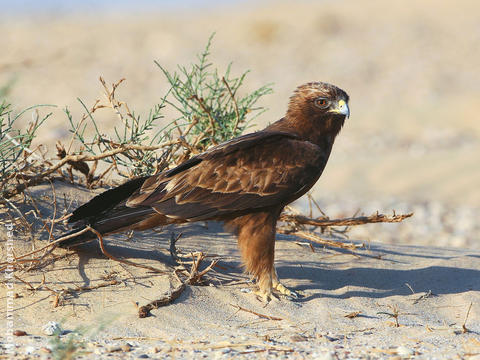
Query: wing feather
252	172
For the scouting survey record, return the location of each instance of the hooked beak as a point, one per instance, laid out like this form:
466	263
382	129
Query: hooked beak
341	108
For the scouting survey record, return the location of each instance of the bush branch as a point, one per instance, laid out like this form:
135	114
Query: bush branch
359	220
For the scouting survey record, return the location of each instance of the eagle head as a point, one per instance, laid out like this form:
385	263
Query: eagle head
316	109
319	99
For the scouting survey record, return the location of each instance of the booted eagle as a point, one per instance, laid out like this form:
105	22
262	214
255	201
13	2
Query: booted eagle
244	182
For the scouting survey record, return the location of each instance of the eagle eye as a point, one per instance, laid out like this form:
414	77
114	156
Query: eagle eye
322	103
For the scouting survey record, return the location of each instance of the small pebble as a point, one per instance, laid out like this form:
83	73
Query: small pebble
143	356
19	333
111	349
404	351
325	356
154	350
29	350
52	328
298	338
331	338
126	348
46	350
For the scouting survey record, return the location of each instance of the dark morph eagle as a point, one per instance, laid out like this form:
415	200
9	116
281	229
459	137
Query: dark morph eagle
244	182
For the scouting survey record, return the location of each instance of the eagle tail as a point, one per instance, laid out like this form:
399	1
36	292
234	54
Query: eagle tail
117	220
74	240
106	213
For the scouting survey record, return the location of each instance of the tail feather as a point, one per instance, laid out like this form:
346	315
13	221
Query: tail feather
78	239
117	220
107	213
106	200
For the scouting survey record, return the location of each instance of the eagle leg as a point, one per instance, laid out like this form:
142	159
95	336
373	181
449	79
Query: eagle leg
256	239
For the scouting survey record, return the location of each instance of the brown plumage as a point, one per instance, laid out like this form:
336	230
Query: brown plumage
245	182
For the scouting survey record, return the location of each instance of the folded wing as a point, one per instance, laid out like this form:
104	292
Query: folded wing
250	173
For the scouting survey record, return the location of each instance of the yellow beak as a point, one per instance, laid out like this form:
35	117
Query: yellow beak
341	108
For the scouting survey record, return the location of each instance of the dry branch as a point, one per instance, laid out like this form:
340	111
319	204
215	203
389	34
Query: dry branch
92	287
209	114
311	236
360	220
122	148
256	313
172	295
53	243
194	276
296	224
232	96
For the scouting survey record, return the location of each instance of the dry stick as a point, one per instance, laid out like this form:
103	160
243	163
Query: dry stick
123	261
310	197
25	282
93	287
94	108
258	314
352	315
213	263
210	118
464	328
75	158
360	220
46	262
174	294
115	104
193	278
49	245
102	175
17	210
54	215
394	314
317	239
232	95
50	232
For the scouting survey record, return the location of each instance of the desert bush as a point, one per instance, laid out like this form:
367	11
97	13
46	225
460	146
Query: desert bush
15	152
208	108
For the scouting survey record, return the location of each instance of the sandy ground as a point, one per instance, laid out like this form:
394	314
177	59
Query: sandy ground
411	144
431	289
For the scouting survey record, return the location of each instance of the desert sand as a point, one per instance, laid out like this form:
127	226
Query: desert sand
431	289
412	144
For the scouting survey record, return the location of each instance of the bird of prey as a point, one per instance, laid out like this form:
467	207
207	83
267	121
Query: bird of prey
244	182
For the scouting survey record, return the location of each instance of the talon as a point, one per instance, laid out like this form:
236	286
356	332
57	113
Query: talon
282	289
265	296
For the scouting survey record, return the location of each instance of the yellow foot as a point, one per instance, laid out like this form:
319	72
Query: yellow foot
285	291
265	296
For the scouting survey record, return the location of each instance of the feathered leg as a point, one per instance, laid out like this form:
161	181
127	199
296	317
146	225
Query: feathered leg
256	239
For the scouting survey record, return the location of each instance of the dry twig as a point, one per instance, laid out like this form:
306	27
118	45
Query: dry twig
311	236
172	295
353	315
37	179
256	313
232	95
464	328
360	220
194	276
